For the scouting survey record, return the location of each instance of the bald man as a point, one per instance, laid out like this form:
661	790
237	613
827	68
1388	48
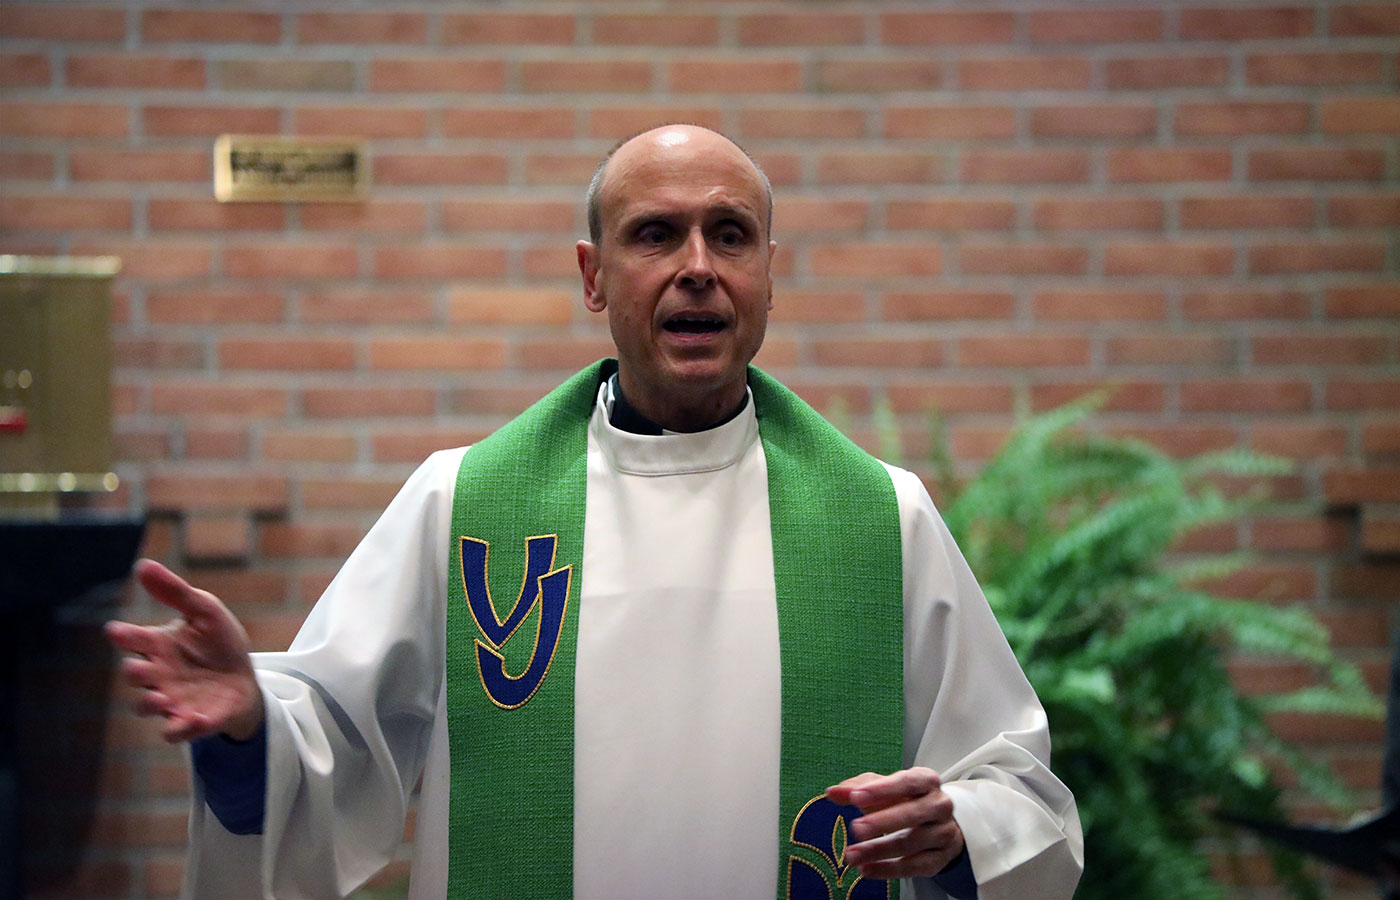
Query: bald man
667	634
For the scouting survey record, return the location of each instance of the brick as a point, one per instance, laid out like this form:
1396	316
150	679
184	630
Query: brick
1179	258
1378	580
1380	534
1351	485
801	29
62	23
508	28
942	27
186	491
1179	441
208	398
878	260
164	877
217	536
272	632
951	214
211	307
792	305
157	354
1382	439
25	70
573	169
1246	211
1166	72
1366	301
1276	257
415	445
446	353
139	165
1361	115
503	399
507	214
508	122
948	305
126	70
1100	120
1097	213
1096	26
1133	396
1175	349
803	215
439	261
1159	164
27	166
1240	118
554	261
1099	305
619	122
278	74
361	28
1023	350
365	306
365	401
439	168
438	75
1299	441
287	354
367	217
803	121
872	352
364	121
1364	210
1042	166
241	587
282	540
1316	164
717	75
1319	349
1307	69
1243	304
1224	24
1362	393
1019	73
976	258
218	26
867	76
150	258
209	121
144	445
1365	19
1246	395
291	260
1300	534
511	306
593	76
63	120
781	168
306	446
564	354
950	122
49	211
209	214
655	30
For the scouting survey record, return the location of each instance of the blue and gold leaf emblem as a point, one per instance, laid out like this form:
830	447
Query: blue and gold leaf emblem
817	867
544	592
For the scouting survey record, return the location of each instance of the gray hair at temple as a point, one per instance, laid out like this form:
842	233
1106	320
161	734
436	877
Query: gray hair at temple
595	186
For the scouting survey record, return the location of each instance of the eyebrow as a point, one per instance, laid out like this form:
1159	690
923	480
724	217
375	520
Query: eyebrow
723	211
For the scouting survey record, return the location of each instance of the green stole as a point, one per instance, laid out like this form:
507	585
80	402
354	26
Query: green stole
837	565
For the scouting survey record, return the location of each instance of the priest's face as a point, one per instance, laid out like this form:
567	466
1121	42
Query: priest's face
683	268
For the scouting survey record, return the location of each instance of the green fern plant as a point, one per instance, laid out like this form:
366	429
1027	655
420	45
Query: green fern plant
1071	537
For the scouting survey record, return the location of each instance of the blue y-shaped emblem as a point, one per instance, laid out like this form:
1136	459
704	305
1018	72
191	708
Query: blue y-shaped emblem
542	584
822	826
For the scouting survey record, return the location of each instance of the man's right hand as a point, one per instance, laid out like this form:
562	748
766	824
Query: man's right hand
193	671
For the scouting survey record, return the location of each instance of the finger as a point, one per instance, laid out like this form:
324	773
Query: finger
143	639
152	703
841	793
180	728
902	785
907	842
169	589
930	862
142	673
930	809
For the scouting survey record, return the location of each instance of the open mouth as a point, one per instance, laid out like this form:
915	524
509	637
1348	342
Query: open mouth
694	325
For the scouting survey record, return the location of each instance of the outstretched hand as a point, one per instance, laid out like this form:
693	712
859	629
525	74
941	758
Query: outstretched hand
193	671
906	827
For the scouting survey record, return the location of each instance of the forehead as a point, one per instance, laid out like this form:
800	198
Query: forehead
659	172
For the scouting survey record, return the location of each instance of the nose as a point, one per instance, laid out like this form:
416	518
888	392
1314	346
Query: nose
697	271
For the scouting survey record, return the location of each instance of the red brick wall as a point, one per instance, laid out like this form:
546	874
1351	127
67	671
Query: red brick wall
980	206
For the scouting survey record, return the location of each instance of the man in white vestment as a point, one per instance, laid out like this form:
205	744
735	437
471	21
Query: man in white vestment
305	760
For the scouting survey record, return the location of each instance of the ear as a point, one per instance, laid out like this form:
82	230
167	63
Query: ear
588	268
772	248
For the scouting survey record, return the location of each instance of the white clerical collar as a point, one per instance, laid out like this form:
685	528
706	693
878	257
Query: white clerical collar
671	452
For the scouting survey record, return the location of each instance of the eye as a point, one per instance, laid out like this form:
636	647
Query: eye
653	234
730	236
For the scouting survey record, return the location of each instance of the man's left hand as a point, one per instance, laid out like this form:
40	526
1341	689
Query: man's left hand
906	828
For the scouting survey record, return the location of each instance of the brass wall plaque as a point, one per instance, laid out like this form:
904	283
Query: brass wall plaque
249	167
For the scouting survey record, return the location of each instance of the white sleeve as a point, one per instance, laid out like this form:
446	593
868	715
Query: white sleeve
349	710
971	716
